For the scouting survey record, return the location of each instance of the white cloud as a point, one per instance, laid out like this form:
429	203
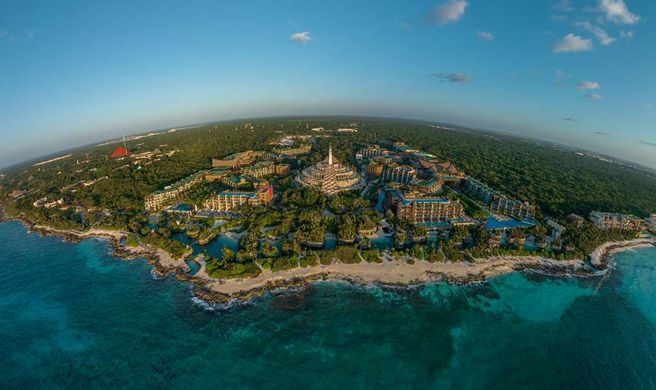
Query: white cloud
486	36
617	12
594	96
301	37
627	34
588	85
563	6
449	12
571	43
453	77
558	18
561	75
599	33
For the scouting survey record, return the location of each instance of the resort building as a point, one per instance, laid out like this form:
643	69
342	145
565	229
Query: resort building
236	181
283	169
511	207
293	151
401	147
417	208
330	176
557	229
399	173
651	222
119	152
616	221
451	181
371	152
481	191
430	186
576	219
439	169
388	159
497	201
233	200
260	169
374	170
217	174
172	193
237	159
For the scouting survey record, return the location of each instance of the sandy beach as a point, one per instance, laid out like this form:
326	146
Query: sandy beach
600	255
396	272
390	272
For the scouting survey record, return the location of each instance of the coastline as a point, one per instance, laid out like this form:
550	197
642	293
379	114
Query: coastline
396	272
600	257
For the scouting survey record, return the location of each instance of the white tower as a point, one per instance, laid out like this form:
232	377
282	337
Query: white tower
330	155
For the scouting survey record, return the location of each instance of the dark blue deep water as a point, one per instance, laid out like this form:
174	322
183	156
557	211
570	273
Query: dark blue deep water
71	316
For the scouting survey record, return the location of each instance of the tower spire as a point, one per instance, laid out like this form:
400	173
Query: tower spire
330	155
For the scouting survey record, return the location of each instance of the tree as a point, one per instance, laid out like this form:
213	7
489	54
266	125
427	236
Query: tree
227	254
346	228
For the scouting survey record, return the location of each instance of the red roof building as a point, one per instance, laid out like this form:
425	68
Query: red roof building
119	152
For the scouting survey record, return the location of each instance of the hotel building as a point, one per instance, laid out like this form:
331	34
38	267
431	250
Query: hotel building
417	208
374	170
616	221
651	222
172	193
293	151
399	173
430	186
233	200
497	201
514	208
237	159
330	176
217	174
371	152
260	169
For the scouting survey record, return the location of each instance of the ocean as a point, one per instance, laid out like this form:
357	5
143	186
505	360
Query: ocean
74	317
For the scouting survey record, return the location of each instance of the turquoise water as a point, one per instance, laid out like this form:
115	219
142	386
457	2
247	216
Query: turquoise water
493	223
71	316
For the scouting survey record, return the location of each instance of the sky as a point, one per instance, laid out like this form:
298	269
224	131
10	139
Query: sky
579	72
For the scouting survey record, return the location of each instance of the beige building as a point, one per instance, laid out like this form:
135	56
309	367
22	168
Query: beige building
418	208
233	200
330	176
237	159
172	193
293	151
260	169
616	221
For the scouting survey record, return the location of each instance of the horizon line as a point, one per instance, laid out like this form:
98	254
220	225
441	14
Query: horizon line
351	116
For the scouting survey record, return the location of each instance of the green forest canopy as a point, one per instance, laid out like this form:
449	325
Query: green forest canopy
558	180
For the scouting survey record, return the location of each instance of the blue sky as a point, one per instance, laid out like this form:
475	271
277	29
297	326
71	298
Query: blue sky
580	72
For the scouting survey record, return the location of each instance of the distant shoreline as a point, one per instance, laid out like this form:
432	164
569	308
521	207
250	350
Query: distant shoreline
397	272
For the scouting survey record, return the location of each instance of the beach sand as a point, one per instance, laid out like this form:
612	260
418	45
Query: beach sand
392	272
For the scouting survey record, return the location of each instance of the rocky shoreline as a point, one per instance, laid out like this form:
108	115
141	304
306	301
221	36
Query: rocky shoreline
393	274
600	257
